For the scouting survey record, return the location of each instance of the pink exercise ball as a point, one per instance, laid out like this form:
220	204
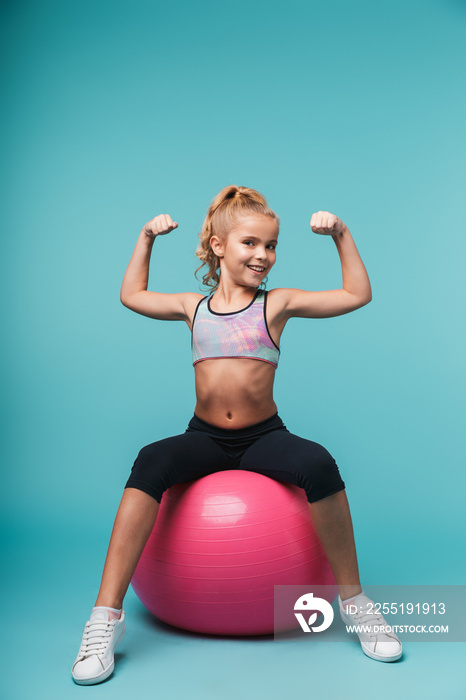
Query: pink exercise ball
219	546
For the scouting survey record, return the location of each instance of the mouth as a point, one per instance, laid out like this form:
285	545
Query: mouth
257	269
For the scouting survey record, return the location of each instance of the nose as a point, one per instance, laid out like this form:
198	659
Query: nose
261	254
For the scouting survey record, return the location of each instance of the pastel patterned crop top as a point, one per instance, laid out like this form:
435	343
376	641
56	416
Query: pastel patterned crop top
242	333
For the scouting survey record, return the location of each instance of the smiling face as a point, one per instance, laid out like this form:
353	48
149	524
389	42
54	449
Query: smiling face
248	254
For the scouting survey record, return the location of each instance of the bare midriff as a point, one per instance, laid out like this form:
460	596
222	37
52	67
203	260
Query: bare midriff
234	392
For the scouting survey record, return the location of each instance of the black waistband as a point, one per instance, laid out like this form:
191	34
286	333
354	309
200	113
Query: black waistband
263	426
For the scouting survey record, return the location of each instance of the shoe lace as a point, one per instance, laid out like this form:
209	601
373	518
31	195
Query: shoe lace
96	638
372	618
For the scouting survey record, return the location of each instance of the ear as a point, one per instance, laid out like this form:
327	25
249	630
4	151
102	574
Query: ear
217	246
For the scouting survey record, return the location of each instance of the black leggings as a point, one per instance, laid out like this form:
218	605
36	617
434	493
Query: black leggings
266	448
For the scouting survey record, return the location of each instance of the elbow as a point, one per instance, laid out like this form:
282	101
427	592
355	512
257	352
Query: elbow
362	301
124	300
366	299
125	296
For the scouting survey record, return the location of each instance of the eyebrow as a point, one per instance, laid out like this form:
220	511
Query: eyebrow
255	238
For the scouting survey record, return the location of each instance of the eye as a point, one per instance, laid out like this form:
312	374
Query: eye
248	243
272	246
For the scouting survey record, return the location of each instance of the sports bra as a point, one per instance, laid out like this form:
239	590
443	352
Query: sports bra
242	333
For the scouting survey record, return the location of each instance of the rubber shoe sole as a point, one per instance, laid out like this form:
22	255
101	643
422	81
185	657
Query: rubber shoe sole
368	652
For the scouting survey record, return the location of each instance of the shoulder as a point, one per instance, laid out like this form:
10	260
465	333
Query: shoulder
278	301
191	302
284	303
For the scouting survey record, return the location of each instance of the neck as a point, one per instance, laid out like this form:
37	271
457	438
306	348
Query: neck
234	295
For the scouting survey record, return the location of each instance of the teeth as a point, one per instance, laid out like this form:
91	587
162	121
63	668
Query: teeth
258	269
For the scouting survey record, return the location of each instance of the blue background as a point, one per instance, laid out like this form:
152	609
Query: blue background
115	112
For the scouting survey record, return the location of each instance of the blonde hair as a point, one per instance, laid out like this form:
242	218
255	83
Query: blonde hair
230	204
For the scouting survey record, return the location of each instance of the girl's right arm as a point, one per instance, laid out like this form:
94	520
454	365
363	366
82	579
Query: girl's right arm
134	294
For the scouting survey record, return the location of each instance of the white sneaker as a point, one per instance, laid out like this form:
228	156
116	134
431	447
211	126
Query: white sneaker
94	662
381	646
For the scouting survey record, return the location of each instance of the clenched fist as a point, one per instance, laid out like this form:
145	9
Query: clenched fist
326	223
159	226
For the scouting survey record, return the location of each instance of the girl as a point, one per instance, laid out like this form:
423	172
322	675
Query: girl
235	337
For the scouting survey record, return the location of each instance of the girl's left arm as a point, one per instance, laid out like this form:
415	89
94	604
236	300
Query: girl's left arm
356	288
